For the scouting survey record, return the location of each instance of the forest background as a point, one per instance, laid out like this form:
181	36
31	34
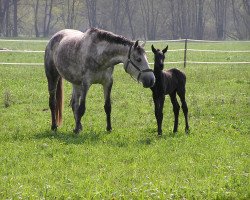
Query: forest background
135	19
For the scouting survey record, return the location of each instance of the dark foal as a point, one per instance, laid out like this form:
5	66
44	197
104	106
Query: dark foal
169	83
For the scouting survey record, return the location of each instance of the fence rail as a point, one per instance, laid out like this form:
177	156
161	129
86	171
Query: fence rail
185	51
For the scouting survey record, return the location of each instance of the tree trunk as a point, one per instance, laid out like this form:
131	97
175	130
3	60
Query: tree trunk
71	14
200	20
150	19
130	19
36	19
47	18
220	18
91	9
15	33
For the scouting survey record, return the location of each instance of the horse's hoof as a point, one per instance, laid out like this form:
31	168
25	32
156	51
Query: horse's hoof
78	129
54	127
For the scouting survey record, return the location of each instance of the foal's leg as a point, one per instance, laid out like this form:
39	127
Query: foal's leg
176	109
159	103
181	94
79	109
107	106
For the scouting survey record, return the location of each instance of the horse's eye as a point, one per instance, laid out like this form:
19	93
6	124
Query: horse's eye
139	60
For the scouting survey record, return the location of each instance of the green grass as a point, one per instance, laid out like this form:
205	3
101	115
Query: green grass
131	162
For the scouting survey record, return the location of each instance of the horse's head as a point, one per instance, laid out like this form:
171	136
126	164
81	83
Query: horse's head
159	57
137	65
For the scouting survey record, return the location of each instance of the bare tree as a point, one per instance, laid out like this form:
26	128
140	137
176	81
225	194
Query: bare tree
91	9
36	18
220	17
130	18
15	33
150	18
47	17
200	23
5	17
71	14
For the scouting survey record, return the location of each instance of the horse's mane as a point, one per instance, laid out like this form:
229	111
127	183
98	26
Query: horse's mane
110	37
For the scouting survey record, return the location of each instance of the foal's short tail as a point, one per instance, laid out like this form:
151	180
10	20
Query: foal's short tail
59	101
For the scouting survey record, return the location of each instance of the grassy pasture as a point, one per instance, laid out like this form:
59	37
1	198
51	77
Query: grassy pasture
131	162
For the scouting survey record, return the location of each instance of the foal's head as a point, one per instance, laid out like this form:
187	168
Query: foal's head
159	57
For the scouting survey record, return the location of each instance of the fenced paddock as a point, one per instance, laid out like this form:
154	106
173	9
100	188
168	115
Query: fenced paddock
185	52
131	162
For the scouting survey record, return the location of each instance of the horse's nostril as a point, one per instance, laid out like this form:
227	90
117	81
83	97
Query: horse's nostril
149	83
152	82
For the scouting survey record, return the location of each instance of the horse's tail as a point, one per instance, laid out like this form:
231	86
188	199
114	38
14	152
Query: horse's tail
59	101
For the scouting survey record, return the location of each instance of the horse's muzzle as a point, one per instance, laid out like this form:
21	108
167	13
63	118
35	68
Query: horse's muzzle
147	79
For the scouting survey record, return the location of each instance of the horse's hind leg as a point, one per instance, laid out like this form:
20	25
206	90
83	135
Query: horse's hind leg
176	109
181	94
52	77
107	106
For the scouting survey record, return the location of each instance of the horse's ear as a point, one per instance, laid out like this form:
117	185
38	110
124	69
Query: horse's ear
153	49
143	44
136	43
165	50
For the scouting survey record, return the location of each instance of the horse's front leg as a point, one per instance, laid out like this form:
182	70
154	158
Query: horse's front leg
107	106
78	105
159	103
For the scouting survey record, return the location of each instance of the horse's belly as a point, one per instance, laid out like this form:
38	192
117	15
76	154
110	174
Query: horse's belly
71	73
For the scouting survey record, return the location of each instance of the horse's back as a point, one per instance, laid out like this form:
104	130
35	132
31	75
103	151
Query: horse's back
175	73
66	51
174	79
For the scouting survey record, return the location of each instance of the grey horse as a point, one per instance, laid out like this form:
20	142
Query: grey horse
86	58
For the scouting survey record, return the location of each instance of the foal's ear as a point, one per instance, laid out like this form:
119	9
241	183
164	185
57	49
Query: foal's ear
165	50
153	49
136	43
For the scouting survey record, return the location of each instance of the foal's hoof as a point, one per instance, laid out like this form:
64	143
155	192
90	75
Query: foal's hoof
159	133
109	129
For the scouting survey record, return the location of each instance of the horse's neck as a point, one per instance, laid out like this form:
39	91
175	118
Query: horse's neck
115	53
157	73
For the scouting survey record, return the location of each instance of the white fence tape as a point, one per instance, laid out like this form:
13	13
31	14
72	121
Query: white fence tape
158	41
20	51
178	62
171	50
7	40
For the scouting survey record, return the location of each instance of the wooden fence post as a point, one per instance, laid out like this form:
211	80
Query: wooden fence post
185	53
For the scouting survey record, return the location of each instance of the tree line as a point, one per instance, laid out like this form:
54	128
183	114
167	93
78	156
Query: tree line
144	19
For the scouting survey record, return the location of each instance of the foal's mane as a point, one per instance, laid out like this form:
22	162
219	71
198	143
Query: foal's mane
110	37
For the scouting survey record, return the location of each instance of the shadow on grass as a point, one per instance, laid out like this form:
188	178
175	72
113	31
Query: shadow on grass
166	134
148	137
71	138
